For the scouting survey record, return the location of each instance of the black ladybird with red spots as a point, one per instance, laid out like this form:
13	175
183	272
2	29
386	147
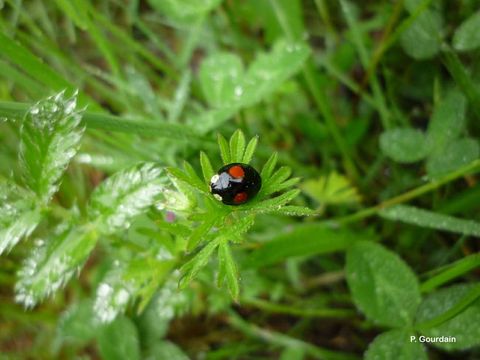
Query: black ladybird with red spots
235	184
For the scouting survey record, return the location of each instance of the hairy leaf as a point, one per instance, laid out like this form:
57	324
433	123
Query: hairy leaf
404	145
186	11
224	149
228	269
302	240
464	326
383	287
250	150
19	215
50	137
467	36
269	166
430	219
124	195
119	340
237	146
207	169
453	156
53	262
190	269
447	122
422	39
395	345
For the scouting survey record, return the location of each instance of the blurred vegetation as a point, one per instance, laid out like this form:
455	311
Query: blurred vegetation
112	246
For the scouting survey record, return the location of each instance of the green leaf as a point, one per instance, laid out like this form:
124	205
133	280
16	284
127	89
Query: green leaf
395	345
234	231
447	122
53	262
229	89
186	11
19	215
113	294
272	204
224	149
466	36
200	232
228	269
252	145
331	189
194	179
190	269
119	340
269	166
78	324
166	350
125	195
430	219
464	326
292	210
237	146
207	169
383	287
50	137
404	145
422	39
302	240
453	156
220	77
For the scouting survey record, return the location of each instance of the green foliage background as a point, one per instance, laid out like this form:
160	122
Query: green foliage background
362	118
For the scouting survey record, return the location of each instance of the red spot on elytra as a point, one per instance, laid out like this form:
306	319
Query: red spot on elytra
236	171
240	198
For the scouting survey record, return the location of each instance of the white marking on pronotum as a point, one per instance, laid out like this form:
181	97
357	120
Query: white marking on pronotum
214	178
218	197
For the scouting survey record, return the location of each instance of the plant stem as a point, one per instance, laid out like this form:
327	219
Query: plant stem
283	340
409	195
298	311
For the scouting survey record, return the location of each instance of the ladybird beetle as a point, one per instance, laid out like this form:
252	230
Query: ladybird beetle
235	184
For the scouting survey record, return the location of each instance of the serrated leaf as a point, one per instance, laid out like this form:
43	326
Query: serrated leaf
228	269
184	12
207	169
272	204
404	145
270	186
113	294
430	219
463	327
234	231
269	166
250	150
224	149
302	240
422	39
447	122
237	146
395	345
119	340
201	231
50	137
291	210
331	189
467	36
190	269
53	262
383	287
125	195
194	179
453	156
19	215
